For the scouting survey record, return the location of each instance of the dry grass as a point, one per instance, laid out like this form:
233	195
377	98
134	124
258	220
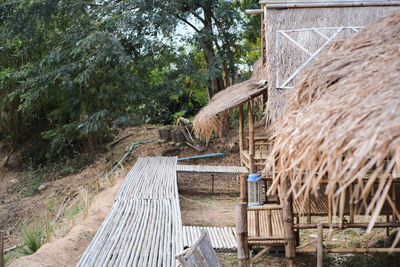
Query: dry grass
342	121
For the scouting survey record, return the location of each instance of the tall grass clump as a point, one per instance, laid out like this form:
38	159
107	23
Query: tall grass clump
31	237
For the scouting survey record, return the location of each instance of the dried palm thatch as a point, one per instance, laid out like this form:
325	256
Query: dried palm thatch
210	119
342	121
284	57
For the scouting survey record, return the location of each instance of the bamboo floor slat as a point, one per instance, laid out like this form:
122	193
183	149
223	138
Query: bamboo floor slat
144	226
276	223
206	169
221	237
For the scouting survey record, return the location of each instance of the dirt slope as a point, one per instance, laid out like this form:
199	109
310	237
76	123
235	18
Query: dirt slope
67	250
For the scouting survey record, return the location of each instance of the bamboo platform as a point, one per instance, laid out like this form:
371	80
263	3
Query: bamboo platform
222	238
261	230
205	169
143	227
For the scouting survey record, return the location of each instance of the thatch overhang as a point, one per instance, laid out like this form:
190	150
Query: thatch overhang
342	121
210	118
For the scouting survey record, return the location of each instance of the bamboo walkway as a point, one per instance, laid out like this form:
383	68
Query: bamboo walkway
144	226
222	238
206	169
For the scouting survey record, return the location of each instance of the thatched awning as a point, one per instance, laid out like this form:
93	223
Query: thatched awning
342	121
210	118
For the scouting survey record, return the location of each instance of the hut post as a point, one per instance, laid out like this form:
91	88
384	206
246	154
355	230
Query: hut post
241	235
288	226
243	189
241	222
251	137
262	41
241	130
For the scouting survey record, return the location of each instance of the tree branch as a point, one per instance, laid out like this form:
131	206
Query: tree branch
198	17
188	23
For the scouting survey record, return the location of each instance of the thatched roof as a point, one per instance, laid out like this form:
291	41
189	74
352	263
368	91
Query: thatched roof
210	118
284	57
342	121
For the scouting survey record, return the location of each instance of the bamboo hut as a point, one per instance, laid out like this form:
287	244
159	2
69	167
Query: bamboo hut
212	117
340	131
294	36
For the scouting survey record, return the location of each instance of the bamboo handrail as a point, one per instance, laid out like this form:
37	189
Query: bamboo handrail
253	11
348	250
264	238
265	207
314	4
347	225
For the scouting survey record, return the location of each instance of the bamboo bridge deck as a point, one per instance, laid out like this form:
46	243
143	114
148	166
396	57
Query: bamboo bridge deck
206	169
222	238
144	226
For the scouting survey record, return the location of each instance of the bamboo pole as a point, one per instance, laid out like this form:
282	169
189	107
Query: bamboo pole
262	43
347	225
348	250
287	207
241	235
394	201
257	222
241	130
269	223
212	183
253	11
308	208
243	189
312	4
351	204
320	245
251	136
265	238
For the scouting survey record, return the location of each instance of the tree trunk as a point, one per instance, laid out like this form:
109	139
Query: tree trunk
217	83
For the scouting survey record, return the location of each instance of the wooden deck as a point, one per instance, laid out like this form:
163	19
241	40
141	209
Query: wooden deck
143	227
206	169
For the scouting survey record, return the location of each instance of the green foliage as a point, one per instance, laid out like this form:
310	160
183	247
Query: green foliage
73	72
31	238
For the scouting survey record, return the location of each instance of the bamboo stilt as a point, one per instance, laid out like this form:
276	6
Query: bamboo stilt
351	204
308	208
394	200
243	189
320	245
287	207
241	235
262	41
241	130
251	137
212	183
